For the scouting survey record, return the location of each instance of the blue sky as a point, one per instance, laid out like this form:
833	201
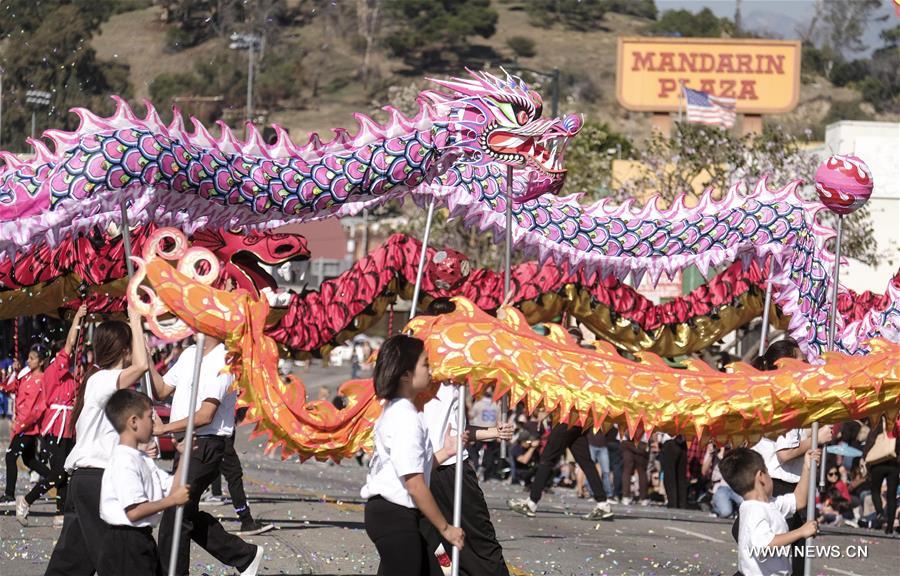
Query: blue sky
780	17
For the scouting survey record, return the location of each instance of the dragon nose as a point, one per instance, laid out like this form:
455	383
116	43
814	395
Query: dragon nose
571	123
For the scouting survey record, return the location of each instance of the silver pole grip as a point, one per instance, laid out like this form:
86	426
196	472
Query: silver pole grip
188	448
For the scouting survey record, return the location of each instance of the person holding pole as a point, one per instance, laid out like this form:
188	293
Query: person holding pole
56	425
397	486
482	555
120	360
764	533
213	417
784	457
134	490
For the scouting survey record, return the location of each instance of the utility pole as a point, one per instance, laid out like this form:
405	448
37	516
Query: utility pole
248	42
37	98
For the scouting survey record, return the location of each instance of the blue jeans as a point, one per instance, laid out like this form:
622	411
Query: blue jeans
600	455
724	500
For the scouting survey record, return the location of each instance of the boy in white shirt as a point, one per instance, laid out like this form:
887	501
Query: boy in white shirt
133	491
763	536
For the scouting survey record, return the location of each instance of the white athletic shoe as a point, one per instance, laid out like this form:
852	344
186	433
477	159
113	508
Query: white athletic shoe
601	511
22	511
626	500
253	568
523	506
212	500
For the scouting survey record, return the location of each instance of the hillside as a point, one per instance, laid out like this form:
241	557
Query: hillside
586	59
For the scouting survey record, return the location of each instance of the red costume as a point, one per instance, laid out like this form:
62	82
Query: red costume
29	403
60	388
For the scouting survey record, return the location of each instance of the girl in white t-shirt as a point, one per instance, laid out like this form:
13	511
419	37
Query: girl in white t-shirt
396	488
120	359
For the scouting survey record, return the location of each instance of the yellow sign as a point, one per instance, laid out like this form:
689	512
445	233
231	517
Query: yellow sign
763	76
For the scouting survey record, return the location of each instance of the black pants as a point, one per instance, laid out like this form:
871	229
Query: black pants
394	530
199	526
880	472
572	437
490	460
234	475
130	551
57	451
482	554
77	552
635	459
27	448
674	467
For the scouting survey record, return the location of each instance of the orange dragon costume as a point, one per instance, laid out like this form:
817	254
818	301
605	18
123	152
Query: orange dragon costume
592	387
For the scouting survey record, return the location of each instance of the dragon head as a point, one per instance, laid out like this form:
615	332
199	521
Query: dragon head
492	120
242	252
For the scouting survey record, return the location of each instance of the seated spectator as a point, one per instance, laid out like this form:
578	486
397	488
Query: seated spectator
725	501
524	455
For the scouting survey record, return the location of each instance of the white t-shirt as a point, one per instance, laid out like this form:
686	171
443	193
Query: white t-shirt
760	522
485	412
132	477
401	447
788	471
214	383
95	436
440	415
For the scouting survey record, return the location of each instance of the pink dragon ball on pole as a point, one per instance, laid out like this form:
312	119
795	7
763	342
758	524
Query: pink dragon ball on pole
844	183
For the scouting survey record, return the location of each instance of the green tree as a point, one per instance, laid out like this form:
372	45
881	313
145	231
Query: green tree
573	14
882	87
891	37
53	53
223	75
845	23
590	156
642	8
703	24
674	164
423	32
522	46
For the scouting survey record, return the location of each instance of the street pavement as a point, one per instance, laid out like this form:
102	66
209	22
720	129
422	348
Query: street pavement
318	511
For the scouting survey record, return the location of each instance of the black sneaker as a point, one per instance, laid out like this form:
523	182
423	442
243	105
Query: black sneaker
253	527
7	501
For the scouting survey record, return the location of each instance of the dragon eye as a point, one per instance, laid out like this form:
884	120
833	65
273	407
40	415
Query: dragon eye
522	117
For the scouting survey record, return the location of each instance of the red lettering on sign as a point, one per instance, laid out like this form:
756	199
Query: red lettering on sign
707	63
775	61
666	62
708	85
748	90
666	86
688	61
644	60
744	63
725	64
727	90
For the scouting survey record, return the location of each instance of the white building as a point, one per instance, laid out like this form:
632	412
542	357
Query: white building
878	144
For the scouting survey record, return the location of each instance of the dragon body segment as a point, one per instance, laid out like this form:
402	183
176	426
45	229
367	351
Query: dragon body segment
593	387
456	150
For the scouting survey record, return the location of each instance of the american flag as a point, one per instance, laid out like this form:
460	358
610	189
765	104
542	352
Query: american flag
707	109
